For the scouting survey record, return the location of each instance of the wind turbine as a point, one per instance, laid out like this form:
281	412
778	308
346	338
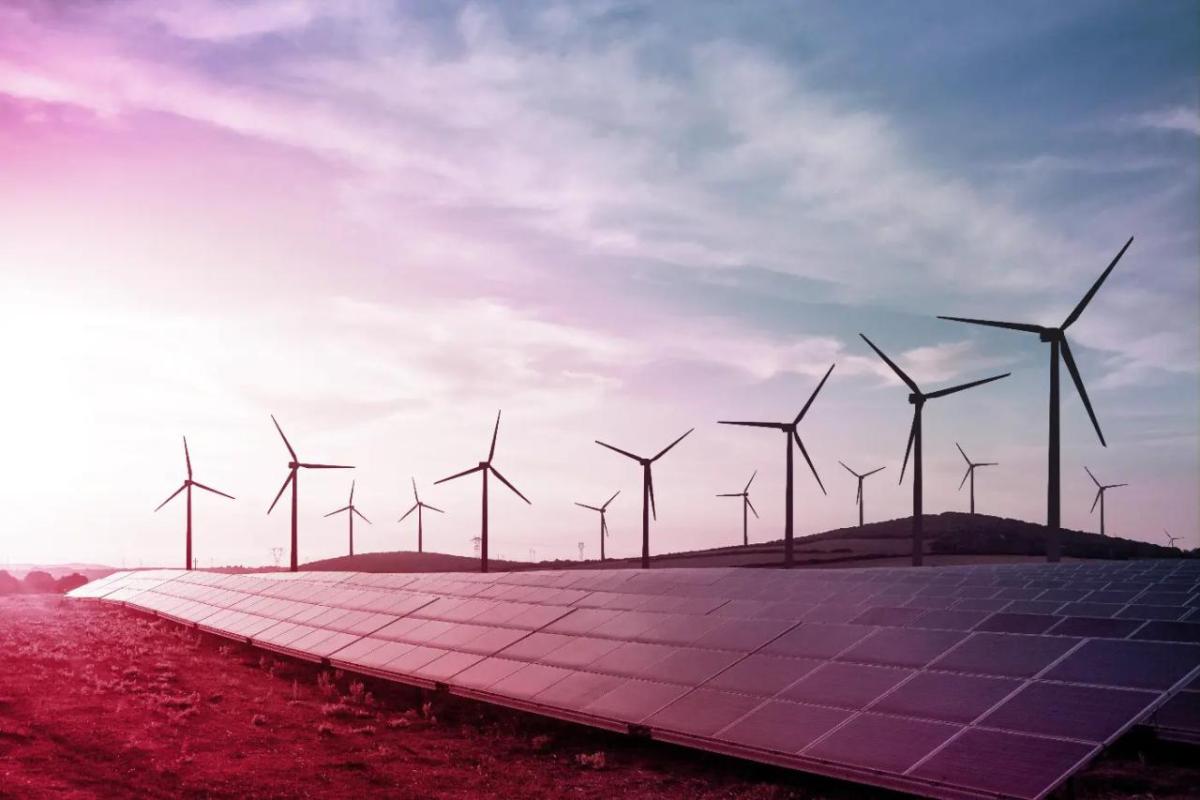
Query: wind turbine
1100	490
1171	540
790	432
419	507
970	473
647	490
1057	339
861	478
350	510
746	504
188	483
918	398
293	478
603	520
483	468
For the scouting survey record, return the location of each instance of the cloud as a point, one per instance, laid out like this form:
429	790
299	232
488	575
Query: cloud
1183	119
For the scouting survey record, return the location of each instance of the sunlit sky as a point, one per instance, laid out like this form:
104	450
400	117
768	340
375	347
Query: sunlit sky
383	221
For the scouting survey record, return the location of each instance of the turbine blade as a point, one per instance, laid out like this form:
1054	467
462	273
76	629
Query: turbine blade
809	460
415	495
291	476
813	396
1097	500
752	477
609	500
872	472
751	507
963	482
912	434
618	450
962	386
603	525
352	492
360	515
504	480
406	513
1116	485
432	508
664	451
1087	404
858	495
988	464
1012	326
182	486
495	433
907	380
852	472
650	483
324	466
1087	298
285	439
753	424
338	511
585	505
964	455
1090	475
732	494
199	485
459	474
187	457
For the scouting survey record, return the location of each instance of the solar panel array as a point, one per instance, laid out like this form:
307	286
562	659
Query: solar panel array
951	682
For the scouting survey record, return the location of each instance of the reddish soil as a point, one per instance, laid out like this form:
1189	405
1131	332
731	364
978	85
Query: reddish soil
99	702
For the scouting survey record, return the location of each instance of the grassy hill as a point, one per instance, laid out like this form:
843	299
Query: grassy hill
950	538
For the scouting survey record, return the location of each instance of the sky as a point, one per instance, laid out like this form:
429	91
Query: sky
384	221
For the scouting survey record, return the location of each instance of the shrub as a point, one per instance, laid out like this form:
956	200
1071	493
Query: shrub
68	582
8	584
38	582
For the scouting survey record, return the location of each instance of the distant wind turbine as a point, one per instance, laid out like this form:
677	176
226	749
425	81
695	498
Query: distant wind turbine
188	483
861	478
1100	490
419	507
648	507
970	473
294	467
1171	540
918	398
791	432
1057	339
603	520
483	468
746	504
350	510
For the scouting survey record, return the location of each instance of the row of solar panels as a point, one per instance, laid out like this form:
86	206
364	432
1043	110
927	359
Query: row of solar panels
880	676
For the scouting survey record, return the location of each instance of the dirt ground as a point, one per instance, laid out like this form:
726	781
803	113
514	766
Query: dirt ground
99	702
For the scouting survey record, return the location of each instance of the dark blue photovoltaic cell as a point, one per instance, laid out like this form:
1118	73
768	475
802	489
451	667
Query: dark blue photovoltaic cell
1095	627
903	647
704	711
1016	765
1005	654
884	743
783	727
947	696
1080	712
1170	631
1141	665
762	674
1017	623
845	685
815	640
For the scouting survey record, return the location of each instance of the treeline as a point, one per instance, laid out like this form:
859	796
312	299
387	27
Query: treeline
38	582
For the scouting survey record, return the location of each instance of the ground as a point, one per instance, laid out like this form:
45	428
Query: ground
100	702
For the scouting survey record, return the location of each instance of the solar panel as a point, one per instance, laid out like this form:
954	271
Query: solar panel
951	682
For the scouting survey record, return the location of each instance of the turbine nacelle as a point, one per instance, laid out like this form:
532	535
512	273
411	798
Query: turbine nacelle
1052	335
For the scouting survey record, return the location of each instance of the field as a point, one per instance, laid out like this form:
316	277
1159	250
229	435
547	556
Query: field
99	702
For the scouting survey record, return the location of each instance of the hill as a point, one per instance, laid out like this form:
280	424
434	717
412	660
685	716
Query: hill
950	538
